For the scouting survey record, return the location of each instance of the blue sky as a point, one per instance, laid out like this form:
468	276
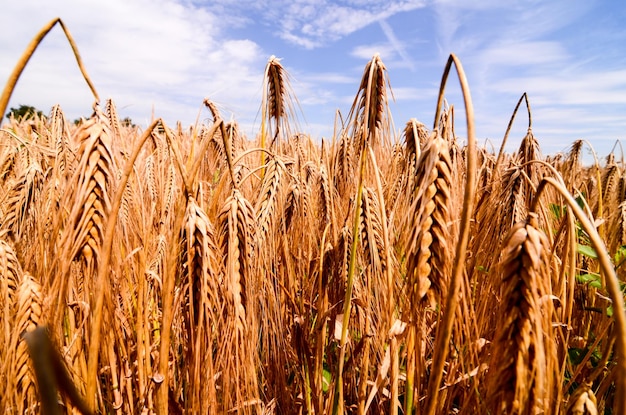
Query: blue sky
166	56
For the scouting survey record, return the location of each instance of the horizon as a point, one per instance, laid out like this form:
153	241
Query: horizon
166	57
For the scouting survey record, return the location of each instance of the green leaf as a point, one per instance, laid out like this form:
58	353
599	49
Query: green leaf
620	256
587	251
326	379
593	280
557	210
576	355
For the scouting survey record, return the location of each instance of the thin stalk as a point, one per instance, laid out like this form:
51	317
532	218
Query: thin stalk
393	410
28	53
307	387
142	326
169	285
444	333
347	302
395	374
322	305
362	387
508	129
411	360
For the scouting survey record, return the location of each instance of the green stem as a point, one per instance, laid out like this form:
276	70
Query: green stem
347	302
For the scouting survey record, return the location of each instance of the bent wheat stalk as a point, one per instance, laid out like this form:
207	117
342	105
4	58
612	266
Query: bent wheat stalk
28	53
612	285
508	129
51	373
445	330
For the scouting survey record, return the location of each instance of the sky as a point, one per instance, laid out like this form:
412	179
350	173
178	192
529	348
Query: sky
162	58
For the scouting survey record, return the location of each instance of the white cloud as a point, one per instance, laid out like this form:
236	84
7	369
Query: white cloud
366	52
414	94
171	54
588	87
330	77
136	53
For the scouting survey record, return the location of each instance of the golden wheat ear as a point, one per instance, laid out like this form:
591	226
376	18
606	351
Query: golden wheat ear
277	106
370	112
519	359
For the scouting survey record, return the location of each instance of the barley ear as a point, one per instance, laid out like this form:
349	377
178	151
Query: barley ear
519	358
28	314
103	268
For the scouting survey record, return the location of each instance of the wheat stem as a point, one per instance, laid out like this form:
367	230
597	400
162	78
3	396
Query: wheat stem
28	53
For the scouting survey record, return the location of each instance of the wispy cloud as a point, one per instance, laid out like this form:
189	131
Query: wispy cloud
313	23
396	44
541	48
513	53
588	87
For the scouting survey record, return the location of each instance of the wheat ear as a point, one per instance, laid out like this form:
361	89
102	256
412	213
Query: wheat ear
519	359
202	269
235	241
28	314
103	268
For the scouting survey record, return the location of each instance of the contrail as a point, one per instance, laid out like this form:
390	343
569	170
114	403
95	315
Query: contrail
396	44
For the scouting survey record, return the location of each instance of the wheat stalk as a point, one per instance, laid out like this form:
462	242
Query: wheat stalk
445	331
28	53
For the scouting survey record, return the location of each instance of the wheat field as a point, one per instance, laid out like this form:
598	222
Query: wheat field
173	269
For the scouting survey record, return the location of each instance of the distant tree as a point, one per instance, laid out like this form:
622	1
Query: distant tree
127	122
24	111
